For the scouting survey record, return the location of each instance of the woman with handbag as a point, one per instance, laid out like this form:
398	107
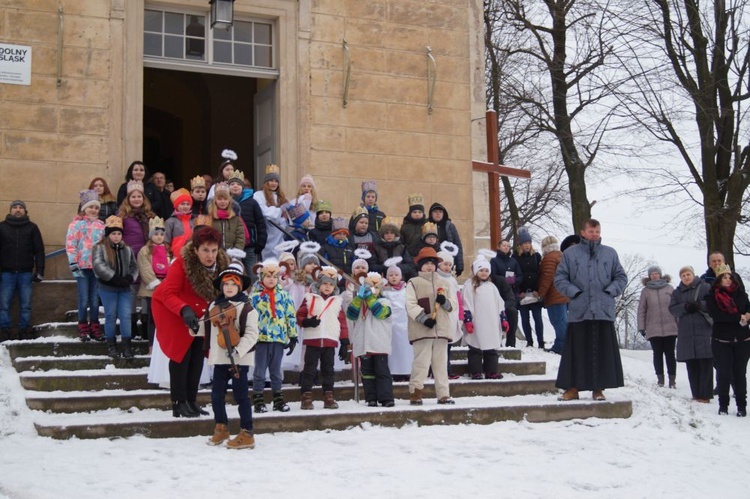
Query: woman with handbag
688	305
657	325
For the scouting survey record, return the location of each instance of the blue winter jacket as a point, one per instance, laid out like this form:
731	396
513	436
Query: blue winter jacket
590	275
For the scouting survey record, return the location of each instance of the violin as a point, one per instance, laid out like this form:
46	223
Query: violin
222	317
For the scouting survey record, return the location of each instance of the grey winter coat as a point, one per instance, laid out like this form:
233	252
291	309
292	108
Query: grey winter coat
653	309
590	275
693	330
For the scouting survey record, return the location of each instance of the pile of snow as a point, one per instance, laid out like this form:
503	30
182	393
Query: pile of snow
670	447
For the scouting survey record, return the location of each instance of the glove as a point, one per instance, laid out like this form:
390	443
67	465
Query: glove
505	325
38	278
642	332
692	306
344	351
190	319
469	327
440	299
364	292
292	343
430	322
310	321
459	272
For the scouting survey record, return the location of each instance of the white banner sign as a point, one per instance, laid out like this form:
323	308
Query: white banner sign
15	64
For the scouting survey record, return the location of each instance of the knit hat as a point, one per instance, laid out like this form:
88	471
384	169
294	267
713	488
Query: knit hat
550	244
390	224
308	254
569	241
394	270
362	256
134	185
686	268
652	269
480	263
339	225
428	229
298	213
235	272
112	224
180	196
427	253
196	182
307	179
722	269
88	198
369	186
236	176
272	173
322	205
326	274
154	224
287	257
445	256
416	202
20	203
222	188
523	235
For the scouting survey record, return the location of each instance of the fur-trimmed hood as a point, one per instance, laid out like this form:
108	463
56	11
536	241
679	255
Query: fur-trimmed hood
658	283
201	278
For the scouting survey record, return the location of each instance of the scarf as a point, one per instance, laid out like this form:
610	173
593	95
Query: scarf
724	299
338	244
656	284
398	287
371	209
270	295
222	215
324	226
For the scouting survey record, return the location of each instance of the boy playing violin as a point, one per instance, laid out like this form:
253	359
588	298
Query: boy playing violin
234	328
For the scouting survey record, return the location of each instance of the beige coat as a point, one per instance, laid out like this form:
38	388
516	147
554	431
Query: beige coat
244	356
426	285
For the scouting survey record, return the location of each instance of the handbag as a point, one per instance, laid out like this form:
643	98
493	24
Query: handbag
704	314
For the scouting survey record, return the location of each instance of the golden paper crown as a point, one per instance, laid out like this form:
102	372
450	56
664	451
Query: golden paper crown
720	270
429	228
134	185
416	199
221	188
198	181
236	175
155	223
202	220
358	212
272	169
113	222
389	220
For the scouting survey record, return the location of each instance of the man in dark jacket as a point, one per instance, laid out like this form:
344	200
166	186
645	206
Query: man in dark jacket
447	232
21	262
252	216
506	266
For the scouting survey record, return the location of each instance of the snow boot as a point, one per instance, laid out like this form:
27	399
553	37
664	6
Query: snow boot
660	379
328	402
598	395
672	381
259	405
306	402
570	394
446	401
83	331
95	331
415	398
372	403
127	353
4	334
144	327
741	412
221	434
243	440
723	410
278	402
135	333
182	410
196	408
112	348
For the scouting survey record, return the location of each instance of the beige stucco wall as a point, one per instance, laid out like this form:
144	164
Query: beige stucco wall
54	139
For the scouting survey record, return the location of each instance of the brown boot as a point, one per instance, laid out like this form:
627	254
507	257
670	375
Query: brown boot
306	401
570	394
598	395
328	402
221	433
243	440
416	397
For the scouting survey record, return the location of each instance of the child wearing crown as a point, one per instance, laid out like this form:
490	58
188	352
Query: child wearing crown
411	228
198	193
402	354
232	317
324	328
430	236
153	261
179	227
277	329
337	249
271	200
371	339
389	246
252	218
225	220
116	270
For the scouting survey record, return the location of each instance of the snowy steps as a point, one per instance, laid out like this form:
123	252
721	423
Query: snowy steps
74	390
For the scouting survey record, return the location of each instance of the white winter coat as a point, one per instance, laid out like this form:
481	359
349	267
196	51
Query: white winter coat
485	306
243	357
402	353
275	236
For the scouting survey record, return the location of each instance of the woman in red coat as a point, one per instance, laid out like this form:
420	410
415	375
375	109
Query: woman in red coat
178	303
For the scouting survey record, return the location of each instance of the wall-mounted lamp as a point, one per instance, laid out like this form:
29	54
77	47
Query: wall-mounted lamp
222	13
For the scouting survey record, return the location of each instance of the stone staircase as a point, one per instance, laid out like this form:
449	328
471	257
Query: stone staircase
75	390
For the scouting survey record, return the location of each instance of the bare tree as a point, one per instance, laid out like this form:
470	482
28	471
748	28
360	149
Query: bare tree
540	201
689	65
565	47
626	308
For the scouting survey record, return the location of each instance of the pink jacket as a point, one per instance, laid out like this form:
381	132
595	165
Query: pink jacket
83	234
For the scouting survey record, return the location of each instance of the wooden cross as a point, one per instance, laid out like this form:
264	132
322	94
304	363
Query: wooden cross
494	169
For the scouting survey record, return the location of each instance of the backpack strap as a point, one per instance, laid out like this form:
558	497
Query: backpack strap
246	309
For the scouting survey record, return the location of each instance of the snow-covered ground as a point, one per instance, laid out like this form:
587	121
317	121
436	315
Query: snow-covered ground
670	447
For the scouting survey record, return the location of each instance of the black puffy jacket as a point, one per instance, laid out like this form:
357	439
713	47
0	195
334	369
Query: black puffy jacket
21	246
